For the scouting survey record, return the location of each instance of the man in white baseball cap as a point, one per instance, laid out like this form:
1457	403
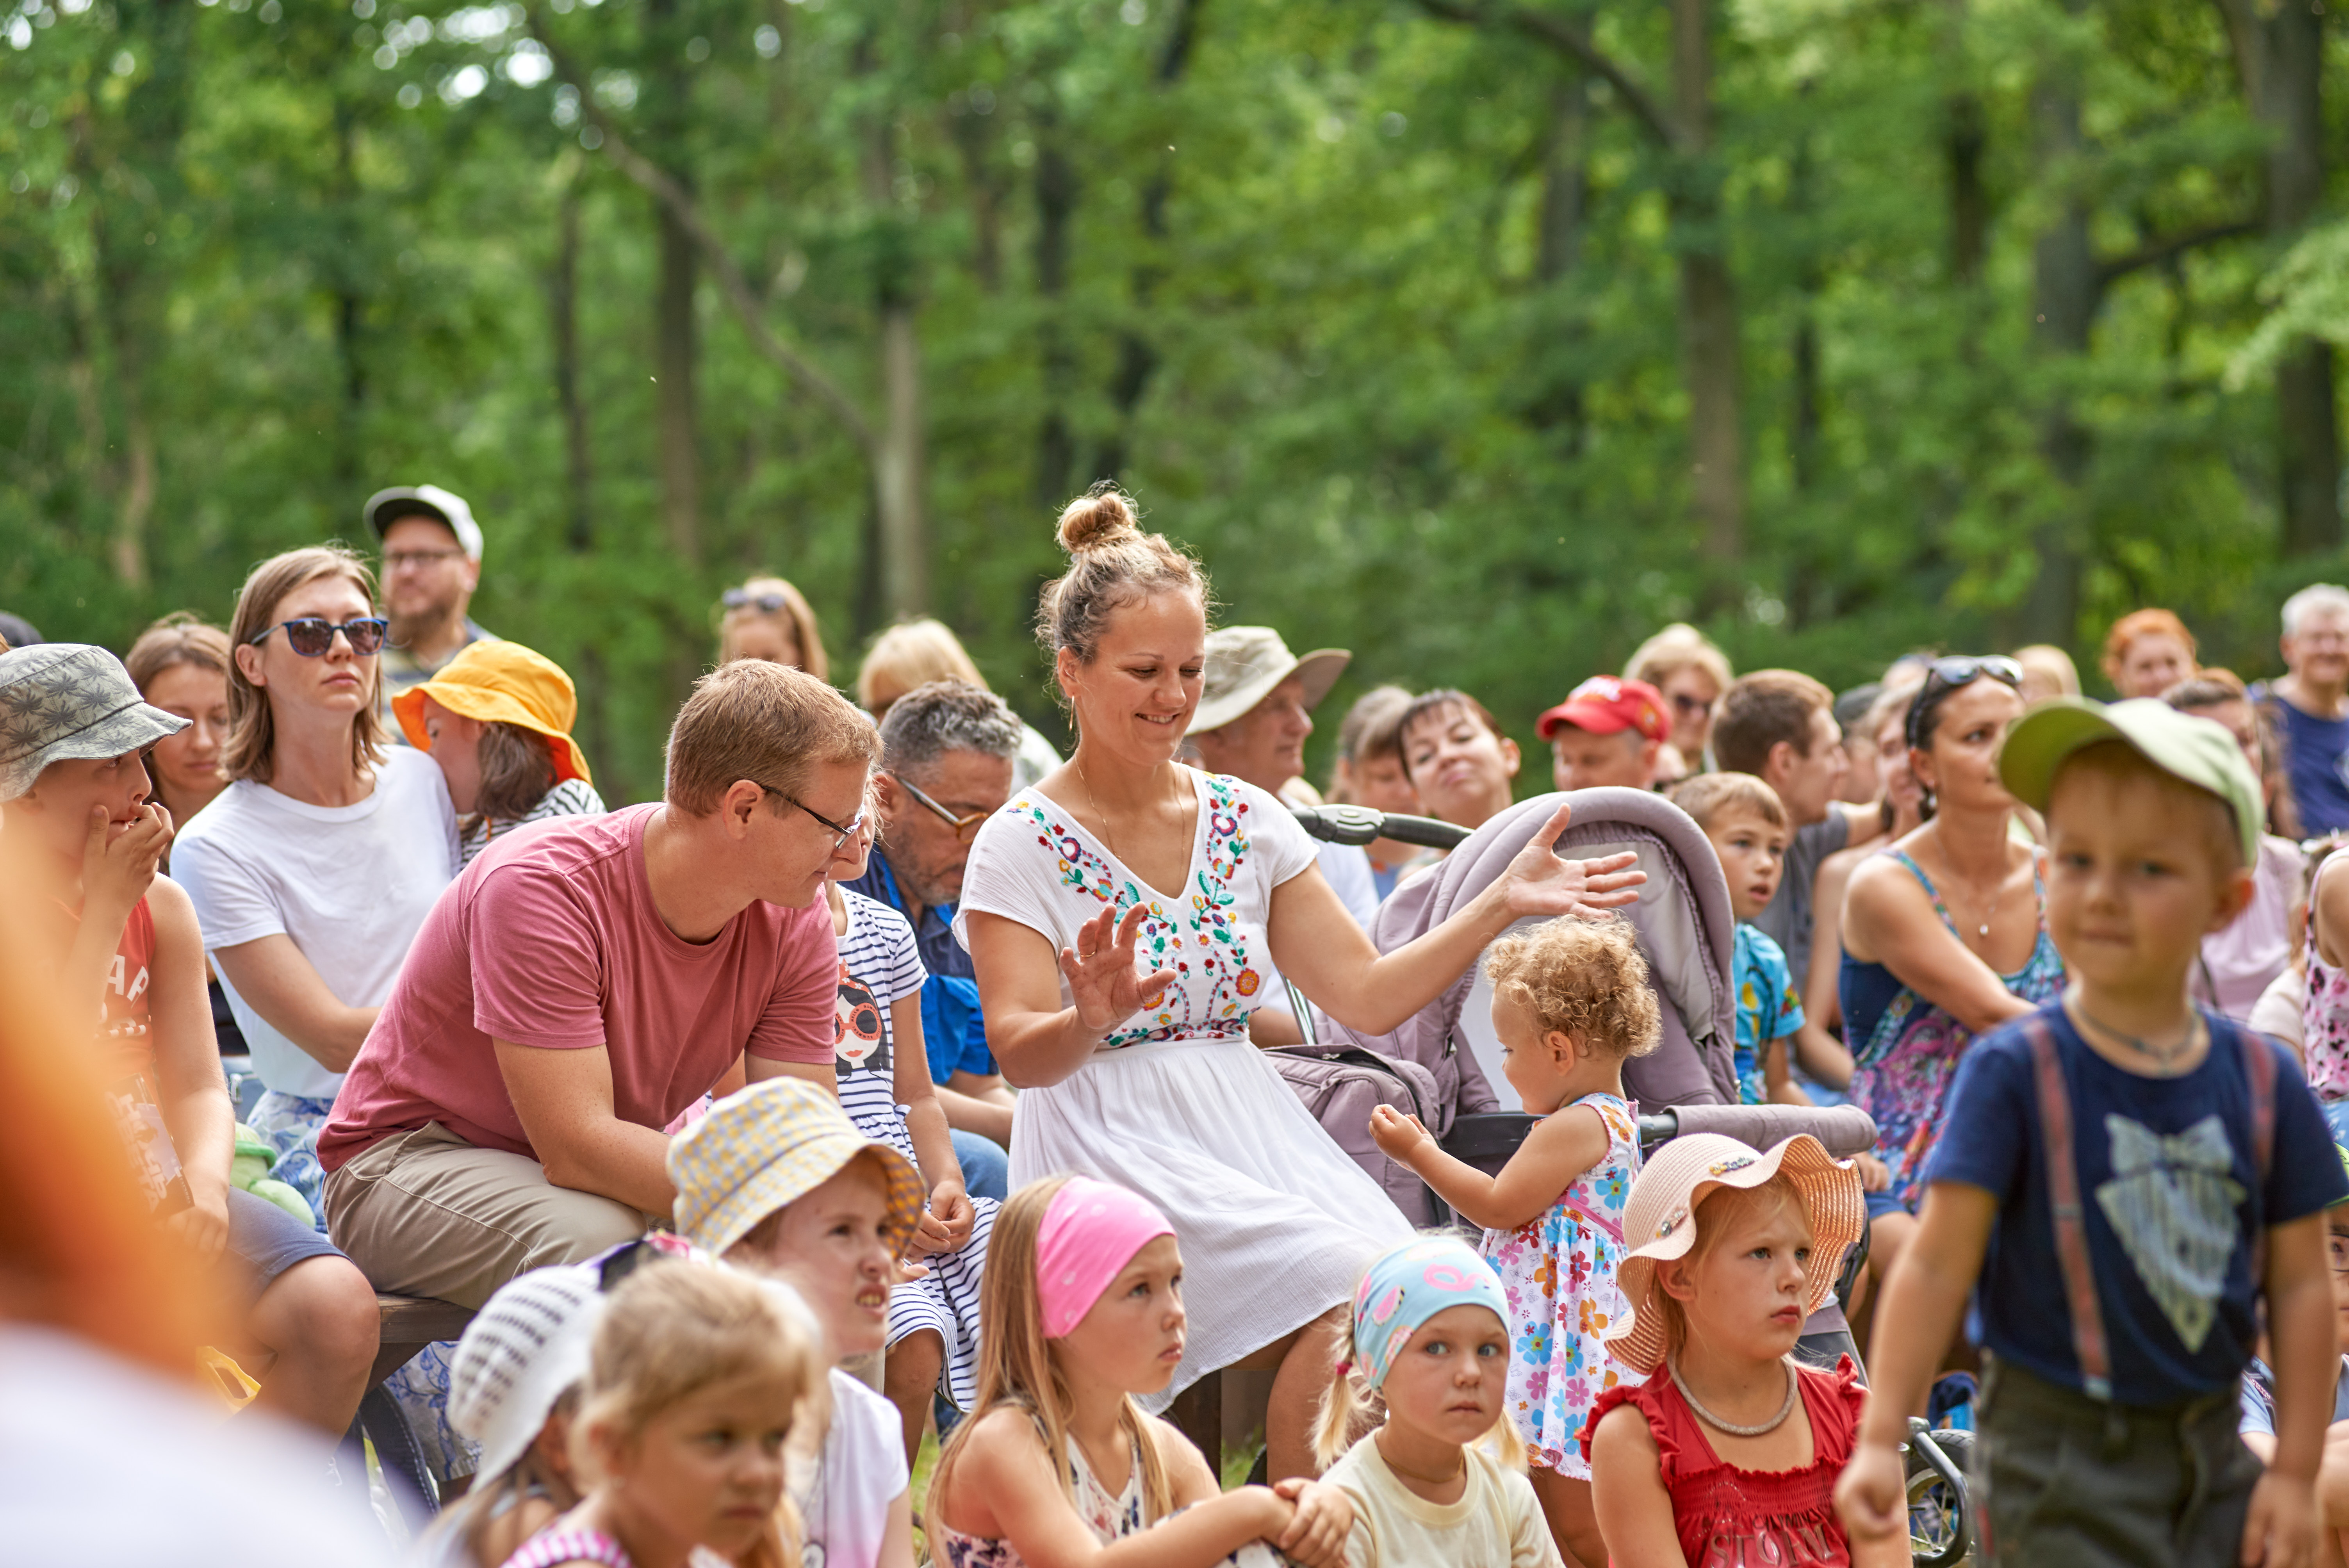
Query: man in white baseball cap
432	565
1256	710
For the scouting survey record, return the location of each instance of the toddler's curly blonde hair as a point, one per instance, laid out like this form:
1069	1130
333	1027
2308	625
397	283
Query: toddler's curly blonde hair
1585	979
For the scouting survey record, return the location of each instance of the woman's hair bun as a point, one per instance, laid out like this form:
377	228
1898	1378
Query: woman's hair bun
1102	516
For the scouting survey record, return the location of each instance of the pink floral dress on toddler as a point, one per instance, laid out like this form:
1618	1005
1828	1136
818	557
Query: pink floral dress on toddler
1558	1271
2325	1027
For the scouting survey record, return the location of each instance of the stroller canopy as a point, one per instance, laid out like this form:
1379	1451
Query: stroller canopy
1683	921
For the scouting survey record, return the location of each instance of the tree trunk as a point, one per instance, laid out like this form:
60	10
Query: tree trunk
2279	53
579	528
1057	189
897	474
1711	355
676	409
1965	147
2066	291
1565	194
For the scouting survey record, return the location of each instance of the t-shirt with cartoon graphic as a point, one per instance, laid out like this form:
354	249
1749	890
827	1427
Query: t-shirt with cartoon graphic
2171	1192
1768	1007
879	963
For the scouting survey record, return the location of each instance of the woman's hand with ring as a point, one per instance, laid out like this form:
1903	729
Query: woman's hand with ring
1100	971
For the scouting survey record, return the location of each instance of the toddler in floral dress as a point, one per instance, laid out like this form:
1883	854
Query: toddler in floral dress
1571	1002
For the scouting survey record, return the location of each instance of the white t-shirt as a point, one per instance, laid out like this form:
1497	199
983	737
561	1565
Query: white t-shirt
879	963
350	885
844	1500
104	1463
1496	1523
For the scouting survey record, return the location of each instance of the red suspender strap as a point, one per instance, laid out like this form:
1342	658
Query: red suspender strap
2071	1221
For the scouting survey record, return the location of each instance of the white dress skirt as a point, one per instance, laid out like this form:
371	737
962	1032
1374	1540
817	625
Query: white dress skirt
1275	1223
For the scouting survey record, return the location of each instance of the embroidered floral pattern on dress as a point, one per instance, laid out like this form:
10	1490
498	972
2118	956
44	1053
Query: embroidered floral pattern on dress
1203	944
1558	1271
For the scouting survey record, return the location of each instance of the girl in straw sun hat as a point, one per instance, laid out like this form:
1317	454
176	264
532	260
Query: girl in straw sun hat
1731	1454
497	718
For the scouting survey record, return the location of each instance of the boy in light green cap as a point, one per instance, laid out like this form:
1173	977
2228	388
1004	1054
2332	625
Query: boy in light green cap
2120	1178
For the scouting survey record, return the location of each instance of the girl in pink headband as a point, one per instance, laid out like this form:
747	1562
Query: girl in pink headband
1083	1310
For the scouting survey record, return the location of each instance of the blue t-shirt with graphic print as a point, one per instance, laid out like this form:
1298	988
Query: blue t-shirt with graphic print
1769	1006
2170	1185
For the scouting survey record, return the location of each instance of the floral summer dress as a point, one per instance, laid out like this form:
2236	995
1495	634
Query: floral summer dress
2325	1027
1110	1518
1558	1271
1274	1221
1908	1049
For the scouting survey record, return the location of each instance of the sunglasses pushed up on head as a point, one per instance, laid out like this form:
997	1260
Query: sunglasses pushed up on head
1944	676
313	635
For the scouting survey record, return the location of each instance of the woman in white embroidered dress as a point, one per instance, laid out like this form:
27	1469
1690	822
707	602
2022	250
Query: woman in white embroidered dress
1121	915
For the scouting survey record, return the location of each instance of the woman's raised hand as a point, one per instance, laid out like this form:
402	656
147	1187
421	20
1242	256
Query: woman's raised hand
1539	882
1100	970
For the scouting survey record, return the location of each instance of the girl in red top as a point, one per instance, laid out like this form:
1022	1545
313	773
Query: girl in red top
1729	1451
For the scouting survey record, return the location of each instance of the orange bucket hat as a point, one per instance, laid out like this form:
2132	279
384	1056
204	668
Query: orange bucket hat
502	683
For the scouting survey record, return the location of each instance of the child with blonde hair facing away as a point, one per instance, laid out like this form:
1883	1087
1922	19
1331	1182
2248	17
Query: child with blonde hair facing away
694	1380
1733	1455
1059	1468
1431	1338
1571	1003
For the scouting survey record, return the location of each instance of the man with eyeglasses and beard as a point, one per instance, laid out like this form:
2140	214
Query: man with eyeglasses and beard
580	987
947	752
432	565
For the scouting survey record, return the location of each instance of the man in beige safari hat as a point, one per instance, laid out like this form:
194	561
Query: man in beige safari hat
1256	710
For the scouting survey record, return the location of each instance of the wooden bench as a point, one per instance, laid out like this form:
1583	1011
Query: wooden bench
409	1322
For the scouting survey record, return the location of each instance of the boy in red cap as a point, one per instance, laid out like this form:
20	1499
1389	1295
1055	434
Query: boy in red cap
1609	730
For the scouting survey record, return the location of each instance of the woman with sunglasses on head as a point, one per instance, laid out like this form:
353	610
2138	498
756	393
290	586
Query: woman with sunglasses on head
1944	931
766	618
313	870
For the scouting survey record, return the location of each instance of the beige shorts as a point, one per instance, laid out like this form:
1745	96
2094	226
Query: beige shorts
427	1214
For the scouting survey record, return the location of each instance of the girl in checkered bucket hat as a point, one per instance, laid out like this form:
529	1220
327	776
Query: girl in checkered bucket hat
1732	1451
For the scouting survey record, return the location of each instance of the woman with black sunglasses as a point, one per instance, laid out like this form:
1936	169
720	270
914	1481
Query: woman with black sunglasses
313	870
1944	932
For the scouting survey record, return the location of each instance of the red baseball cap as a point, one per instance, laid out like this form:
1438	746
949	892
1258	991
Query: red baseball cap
1610	704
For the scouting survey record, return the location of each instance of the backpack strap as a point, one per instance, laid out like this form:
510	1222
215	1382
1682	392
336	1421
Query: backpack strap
2259	1074
2089	1345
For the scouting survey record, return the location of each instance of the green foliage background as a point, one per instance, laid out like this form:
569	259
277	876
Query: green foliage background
308	249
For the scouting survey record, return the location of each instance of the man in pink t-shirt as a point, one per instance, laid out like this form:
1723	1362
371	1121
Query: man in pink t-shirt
588	979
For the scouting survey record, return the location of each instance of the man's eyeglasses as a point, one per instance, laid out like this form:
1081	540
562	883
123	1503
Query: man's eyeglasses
960	825
742	599
394	560
1944	676
313	636
845	831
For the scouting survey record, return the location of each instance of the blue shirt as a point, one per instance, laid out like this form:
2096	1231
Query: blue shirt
2315	751
953	1032
1769	1006
2171	1191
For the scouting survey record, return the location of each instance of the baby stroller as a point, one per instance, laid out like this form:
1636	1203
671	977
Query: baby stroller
1443	1063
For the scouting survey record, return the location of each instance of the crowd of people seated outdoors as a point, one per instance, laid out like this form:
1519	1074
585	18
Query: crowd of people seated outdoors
893	1074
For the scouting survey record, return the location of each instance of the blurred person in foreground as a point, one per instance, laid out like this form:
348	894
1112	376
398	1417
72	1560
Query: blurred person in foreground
112	1451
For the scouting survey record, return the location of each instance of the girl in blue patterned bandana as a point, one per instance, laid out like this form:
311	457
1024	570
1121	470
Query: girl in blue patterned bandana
1442	1483
1571	1003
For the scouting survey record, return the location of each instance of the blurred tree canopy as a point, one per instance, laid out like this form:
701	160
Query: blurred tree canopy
1481	337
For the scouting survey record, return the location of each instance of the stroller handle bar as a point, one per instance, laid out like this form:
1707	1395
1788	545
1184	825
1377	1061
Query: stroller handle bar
1844	1130
1359	825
